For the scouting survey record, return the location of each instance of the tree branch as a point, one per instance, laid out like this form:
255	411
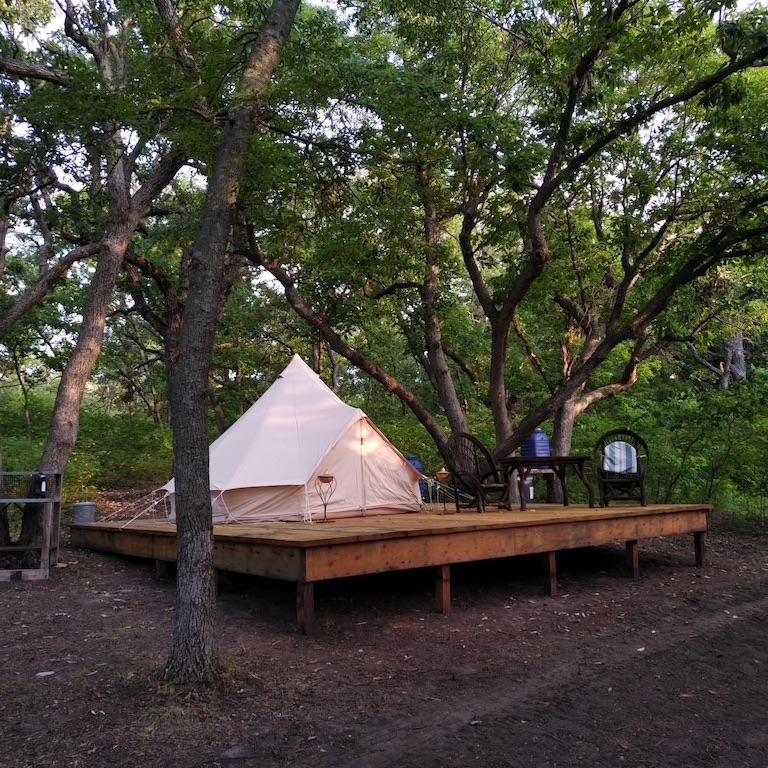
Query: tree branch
337	344
40	290
29	71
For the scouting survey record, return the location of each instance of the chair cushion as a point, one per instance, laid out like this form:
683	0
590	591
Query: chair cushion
620	457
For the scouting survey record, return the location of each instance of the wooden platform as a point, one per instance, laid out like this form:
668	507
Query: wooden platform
305	553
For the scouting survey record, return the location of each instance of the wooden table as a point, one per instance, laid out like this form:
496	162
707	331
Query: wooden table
525	466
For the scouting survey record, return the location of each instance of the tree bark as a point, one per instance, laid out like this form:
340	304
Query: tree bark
194	656
5	523
66	416
732	367
65	422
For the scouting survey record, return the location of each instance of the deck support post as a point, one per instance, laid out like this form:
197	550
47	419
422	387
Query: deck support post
220	579
164	568
550	569
700	545
305	606
443	589
633	557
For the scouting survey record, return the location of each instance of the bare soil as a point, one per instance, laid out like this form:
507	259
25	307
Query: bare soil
665	670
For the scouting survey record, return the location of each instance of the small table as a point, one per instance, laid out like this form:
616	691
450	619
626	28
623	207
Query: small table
525	466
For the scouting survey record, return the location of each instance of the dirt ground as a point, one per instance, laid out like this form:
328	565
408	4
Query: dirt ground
665	670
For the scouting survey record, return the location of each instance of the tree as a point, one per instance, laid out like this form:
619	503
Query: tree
132	142
194	657
486	128
124	173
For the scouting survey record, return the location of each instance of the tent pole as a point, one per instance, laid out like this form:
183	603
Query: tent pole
362	464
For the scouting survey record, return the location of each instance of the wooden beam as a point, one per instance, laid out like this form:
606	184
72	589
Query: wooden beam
364	547
550	568
45	550
148	541
164	569
443	589
700	545
355	557
24	574
305	606
633	557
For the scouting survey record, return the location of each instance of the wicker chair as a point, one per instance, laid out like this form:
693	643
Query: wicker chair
476	479
620	459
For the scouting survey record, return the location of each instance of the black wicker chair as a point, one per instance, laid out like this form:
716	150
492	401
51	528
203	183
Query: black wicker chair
620	459
476	479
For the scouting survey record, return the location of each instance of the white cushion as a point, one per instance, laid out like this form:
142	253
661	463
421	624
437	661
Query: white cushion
620	457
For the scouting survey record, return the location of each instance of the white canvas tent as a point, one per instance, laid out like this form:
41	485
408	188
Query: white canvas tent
264	467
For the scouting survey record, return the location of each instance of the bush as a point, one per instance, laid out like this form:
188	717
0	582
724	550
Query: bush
114	450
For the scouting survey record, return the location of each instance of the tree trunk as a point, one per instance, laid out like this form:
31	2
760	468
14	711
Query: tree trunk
194	656
735	362
65	423
503	407
562	433
80	366
734	365
126	212
562	439
222	425
440	371
5	523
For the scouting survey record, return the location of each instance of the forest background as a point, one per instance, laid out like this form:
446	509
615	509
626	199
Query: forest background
463	216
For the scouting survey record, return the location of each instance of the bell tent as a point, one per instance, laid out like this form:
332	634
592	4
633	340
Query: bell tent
267	466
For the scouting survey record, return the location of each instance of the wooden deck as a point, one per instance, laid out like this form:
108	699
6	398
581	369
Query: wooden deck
307	553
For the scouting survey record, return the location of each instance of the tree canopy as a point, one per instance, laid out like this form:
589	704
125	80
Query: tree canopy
537	187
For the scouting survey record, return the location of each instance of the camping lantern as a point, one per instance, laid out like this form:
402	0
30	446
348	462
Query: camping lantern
325	485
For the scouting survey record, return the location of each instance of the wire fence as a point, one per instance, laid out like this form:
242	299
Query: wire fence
29	487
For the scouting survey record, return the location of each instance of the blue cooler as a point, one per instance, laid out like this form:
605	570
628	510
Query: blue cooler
536	446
